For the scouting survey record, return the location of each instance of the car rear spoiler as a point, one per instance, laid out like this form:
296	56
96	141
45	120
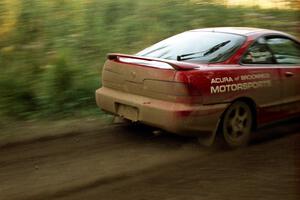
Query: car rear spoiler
174	64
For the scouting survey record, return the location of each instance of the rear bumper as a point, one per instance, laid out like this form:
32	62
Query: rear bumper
171	116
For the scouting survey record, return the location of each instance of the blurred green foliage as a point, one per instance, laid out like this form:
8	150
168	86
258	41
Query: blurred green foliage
51	52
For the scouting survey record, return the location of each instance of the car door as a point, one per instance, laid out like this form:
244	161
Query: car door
259	60
287	55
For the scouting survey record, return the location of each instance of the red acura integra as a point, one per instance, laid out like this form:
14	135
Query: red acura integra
202	82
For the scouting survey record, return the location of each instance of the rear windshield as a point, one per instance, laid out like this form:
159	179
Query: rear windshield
196	46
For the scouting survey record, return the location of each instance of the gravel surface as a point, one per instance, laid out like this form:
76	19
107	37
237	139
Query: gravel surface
130	162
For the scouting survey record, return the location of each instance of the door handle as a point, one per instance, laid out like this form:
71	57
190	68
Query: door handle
289	74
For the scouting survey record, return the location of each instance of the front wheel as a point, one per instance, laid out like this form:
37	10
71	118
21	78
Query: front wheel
236	124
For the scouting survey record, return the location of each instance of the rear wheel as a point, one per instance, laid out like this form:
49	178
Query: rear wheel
236	124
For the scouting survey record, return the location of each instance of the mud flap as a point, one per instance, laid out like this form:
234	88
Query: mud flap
210	139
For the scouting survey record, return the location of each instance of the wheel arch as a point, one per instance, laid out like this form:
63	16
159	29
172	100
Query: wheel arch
218	135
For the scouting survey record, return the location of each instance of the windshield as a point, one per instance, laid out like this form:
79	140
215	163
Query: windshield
204	47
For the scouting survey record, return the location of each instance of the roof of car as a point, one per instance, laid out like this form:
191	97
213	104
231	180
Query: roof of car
238	30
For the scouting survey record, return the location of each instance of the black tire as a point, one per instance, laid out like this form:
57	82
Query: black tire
236	125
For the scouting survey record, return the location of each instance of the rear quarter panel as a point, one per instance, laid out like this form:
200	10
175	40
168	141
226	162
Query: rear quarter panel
225	83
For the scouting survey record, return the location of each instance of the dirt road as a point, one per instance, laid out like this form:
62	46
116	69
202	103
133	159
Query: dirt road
129	162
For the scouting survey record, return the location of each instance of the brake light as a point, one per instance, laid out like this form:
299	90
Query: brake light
178	91
152	62
149	63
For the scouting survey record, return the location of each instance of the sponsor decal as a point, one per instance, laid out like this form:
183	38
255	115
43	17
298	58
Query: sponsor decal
240	83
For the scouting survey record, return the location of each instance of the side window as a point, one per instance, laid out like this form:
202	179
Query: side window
285	51
258	53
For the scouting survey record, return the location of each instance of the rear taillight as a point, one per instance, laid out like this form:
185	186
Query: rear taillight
166	87
179	91
193	91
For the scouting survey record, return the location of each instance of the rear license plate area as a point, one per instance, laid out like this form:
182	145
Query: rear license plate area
128	112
